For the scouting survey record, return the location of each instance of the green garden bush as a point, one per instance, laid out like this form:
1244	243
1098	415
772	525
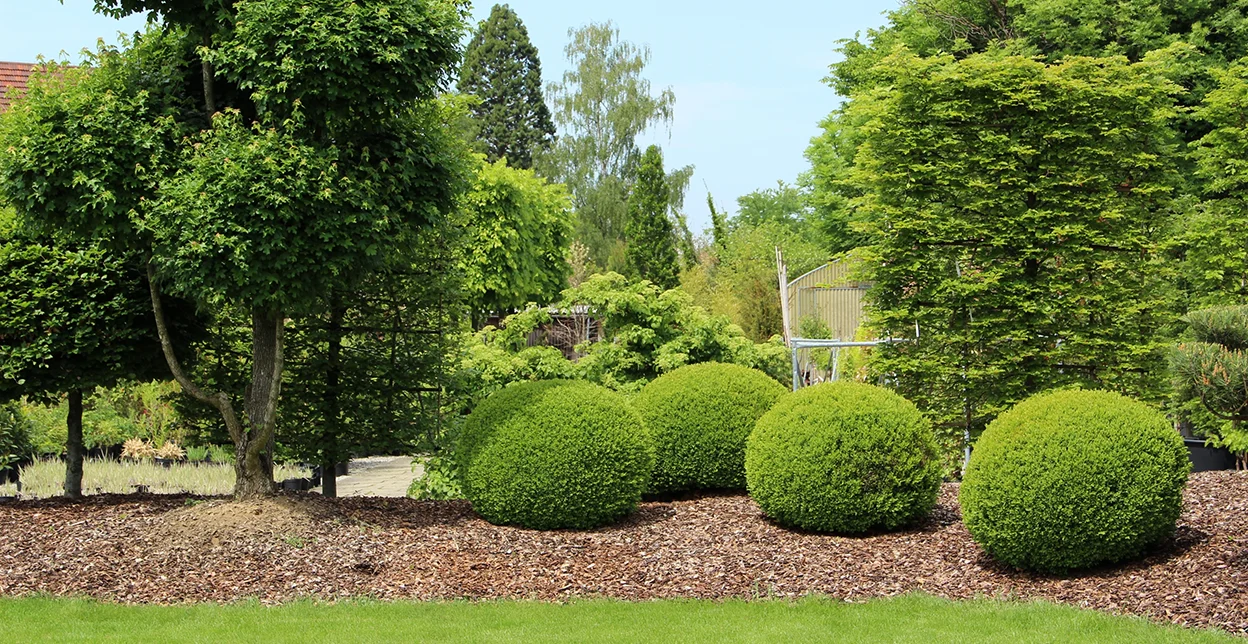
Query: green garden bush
699	417
554	454
15	428
1074	479
843	457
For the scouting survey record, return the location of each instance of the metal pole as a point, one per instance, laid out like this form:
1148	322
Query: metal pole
796	375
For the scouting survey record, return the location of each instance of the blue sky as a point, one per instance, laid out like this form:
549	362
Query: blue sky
747	75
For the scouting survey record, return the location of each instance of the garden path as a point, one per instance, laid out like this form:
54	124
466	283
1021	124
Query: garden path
386	476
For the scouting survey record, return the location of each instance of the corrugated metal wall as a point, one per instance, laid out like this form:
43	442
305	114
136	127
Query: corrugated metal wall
828	294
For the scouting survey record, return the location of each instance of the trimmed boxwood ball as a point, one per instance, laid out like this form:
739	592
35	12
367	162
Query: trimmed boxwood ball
699	417
843	457
1074	479
554	454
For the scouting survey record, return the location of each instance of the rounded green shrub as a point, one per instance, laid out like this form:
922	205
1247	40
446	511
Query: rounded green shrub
554	454
1074	479
843	457
699	417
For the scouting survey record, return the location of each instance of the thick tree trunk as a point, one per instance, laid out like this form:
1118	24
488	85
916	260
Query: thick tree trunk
254	445
253	440
74	448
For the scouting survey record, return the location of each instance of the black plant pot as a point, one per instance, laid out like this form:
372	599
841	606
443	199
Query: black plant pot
1206	459
164	462
341	469
296	485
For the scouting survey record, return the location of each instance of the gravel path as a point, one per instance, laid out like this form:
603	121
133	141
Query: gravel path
149	549
382	476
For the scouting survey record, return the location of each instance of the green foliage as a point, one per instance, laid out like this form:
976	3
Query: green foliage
327	155
843	457
111	416
519	232
554	454
85	148
1017	210
1212	249
719	224
649	331
1211	373
75	317
441	481
741	282
699	417
837	221
15	435
1054	29
785	205
601	105
645	332
1227	326
651	245
501	67
342	64
1074	479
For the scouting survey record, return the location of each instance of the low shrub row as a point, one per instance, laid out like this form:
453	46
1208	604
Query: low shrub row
1065	480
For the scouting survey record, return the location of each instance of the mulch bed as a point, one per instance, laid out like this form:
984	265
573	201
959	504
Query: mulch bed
162	549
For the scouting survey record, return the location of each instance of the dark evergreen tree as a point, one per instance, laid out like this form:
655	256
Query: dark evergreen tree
651	250
501	68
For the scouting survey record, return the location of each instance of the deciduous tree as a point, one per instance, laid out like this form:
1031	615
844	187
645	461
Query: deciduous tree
601	106
1019	209
316	149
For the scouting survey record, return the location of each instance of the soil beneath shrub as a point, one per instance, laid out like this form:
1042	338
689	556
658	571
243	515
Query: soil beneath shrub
172	549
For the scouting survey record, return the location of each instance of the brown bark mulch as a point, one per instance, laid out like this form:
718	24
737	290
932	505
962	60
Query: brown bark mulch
160	549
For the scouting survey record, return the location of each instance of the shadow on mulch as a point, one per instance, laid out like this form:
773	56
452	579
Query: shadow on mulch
939	518
163	501
1184	540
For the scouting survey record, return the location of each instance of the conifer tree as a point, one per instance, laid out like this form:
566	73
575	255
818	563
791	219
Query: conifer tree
651	250
502	69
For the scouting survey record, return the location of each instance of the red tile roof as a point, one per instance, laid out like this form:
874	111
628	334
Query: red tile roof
13	77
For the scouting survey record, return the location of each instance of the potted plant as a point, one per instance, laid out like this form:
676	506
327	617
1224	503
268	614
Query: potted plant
197	455
1211	376
135	449
169	453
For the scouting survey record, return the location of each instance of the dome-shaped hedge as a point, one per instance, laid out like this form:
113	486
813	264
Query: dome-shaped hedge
554	454
699	417
1074	479
843	457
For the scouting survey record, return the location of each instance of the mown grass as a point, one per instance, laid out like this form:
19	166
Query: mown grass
913	618
45	478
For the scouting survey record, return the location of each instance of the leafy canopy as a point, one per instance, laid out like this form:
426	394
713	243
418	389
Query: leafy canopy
1017	209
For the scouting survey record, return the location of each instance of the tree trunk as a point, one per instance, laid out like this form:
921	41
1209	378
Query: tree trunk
253	446
253	440
74	449
333	414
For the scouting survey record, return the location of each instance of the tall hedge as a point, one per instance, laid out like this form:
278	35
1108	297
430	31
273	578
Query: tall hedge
699	417
554	454
1074	479
1016	210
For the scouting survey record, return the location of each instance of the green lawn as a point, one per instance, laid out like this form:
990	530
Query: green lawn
908	619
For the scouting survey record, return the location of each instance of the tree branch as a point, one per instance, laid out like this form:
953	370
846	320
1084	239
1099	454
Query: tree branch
218	400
